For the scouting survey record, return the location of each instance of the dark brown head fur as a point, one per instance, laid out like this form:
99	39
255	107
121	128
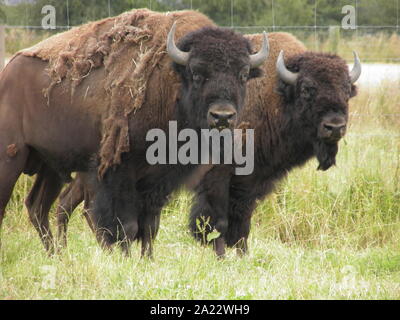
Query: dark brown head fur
216	74
318	101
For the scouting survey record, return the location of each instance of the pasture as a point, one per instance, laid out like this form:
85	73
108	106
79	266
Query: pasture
320	235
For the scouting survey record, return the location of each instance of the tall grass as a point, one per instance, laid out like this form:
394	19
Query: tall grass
17	39
372	47
331	234
377	47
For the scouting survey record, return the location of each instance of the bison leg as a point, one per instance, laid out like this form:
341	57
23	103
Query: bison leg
149	225
84	179
12	162
128	233
238	233
45	190
210	211
219	246
70	198
116	208
240	211
86	214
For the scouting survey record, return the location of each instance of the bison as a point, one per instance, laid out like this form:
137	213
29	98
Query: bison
56	134
302	113
299	110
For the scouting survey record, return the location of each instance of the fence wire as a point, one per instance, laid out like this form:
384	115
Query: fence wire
179	5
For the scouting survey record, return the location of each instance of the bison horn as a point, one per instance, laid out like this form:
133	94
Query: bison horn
177	55
258	58
287	76
356	71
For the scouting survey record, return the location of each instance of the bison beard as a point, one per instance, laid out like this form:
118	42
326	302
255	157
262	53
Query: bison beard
326	154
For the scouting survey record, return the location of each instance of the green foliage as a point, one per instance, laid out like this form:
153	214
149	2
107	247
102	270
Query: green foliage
213	235
3	17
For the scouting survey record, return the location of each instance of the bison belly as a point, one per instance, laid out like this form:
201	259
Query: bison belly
63	128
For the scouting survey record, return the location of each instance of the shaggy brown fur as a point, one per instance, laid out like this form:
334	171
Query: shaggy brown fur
129	47
262	91
12	150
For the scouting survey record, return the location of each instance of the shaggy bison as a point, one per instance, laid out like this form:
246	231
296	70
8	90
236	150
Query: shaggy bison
301	114
299	110
87	107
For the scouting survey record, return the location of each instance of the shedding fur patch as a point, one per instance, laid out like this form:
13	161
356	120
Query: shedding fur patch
129	47
12	150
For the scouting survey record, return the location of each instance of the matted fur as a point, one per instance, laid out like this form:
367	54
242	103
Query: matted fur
262	91
128	47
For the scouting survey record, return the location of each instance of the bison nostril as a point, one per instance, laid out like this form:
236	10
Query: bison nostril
214	115
330	127
222	115
230	116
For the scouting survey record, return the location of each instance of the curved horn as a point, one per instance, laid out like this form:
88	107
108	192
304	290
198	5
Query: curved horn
287	76
355	73
258	58
177	55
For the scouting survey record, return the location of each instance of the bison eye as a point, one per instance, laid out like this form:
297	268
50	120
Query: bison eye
197	77
308	92
244	77
244	74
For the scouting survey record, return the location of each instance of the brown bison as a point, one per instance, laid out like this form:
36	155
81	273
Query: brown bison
301	114
72	128
299	110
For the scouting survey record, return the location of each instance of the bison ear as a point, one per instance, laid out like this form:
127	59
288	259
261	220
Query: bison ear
181	71
255	73
178	68
286	91
354	91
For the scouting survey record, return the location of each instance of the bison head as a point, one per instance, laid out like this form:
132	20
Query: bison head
317	88
214	65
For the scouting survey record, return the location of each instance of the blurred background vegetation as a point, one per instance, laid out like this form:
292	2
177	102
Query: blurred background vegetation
315	22
224	12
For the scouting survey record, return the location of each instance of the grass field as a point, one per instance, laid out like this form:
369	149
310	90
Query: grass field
321	235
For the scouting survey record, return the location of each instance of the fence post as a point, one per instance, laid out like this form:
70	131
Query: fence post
2	47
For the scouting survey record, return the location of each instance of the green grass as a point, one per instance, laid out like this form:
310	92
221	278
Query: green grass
321	235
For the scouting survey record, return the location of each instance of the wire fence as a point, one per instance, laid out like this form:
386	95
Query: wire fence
179	4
